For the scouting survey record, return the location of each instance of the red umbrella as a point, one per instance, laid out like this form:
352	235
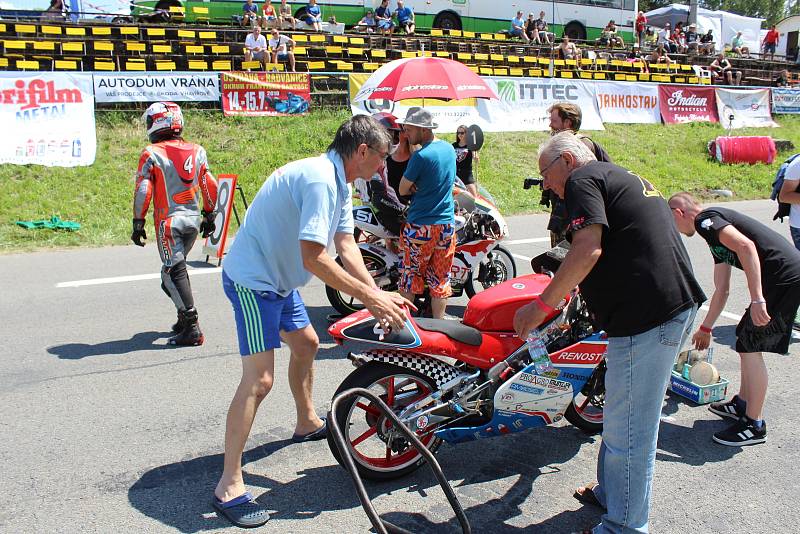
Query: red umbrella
424	77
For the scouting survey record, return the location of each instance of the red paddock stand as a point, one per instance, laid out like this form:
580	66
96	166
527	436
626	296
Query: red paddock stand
743	149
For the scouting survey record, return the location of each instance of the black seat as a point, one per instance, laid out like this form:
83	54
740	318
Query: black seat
452	329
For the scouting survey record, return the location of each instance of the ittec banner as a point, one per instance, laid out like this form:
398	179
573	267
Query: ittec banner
156	86
748	107
265	93
47	119
687	103
628	102
522	106
785	100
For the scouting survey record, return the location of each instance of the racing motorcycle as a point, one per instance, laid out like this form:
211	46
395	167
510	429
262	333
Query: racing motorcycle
460	381
479	262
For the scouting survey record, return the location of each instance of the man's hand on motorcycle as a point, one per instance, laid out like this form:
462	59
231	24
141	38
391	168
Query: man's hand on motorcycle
701	340
527	318
389	309
758	314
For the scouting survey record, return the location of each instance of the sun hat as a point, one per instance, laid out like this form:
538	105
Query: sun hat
419	117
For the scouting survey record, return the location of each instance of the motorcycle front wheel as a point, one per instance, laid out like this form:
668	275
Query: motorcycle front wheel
586	410
344	303
379	452
496	269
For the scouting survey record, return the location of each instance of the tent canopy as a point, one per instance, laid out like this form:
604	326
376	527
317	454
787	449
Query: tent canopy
724	24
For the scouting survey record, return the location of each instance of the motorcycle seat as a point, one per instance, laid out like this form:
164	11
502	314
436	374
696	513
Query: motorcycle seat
452	329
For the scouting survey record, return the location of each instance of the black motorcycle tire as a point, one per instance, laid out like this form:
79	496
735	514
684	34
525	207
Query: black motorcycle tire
364	377
342	302
506	266
575	416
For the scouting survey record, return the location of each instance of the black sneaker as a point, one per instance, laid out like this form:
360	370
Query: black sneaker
742	432
728	409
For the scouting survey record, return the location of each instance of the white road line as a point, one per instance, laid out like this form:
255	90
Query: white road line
132	278
724	314
524	241
521	257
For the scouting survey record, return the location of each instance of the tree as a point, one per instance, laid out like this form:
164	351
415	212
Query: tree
771	10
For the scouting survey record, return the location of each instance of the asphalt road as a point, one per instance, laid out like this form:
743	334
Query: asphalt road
106	429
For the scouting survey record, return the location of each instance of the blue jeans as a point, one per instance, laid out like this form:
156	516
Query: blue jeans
638	374
795	231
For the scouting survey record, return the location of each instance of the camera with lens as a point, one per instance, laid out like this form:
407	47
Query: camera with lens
532	182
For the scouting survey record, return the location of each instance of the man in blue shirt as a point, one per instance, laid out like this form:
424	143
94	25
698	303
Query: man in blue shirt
405	18
517	28
384	17
429	240
302	209
250	14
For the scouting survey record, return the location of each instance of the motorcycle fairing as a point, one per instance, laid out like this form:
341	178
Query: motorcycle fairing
438	370
503	422
367	329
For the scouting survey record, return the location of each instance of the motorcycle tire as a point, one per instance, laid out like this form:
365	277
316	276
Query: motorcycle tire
365	424
342	302
500	268
586	410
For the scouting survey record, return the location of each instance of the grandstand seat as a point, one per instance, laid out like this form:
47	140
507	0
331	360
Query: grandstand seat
469	35
370	67
167	65
194	49
221	49
516	71
3	28
437	32
103	47
101	30
340	39
177	13
357	41
161	48
454	33
44	45
51	30
135	46
4	62
585	75
221	64
251	65
135	64
207	36
155	32
104	65
128	30
14	45
198	64
25	29
27	64
78	32
485	70
65	64
71	47
315	65
187	34
201	14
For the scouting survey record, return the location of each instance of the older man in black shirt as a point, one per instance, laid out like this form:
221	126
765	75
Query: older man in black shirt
771	265
637	280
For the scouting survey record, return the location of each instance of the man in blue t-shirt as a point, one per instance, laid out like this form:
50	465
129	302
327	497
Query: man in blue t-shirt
405	18
250	14
517	28
302	209
429	240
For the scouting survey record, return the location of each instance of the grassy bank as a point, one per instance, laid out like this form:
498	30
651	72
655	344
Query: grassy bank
100	197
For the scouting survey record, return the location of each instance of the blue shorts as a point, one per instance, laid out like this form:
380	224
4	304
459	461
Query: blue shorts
261	315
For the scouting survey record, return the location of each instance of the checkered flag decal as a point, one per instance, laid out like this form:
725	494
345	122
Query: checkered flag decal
439	371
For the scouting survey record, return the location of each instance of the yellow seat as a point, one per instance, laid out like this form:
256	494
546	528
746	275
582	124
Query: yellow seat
354	51
630	77
316	38
101	30
485	70
512	59
455	33
473	68
300	51
644	77
585	75
134	64
357	41
27	64
529	59
104	65
3	30
52	30
437	32
679	79
44	45
155	32
129	30
546	61
340	39
497	57
442	54
557	62
343	65
165	65
565	74
487	36
500	71
25	28
693	79
370	67
316	65
499	36
535	72
301	38
194	49
200	14
211	36
469	35
250	65
599	75
406	53
221	64
464	56
162	49
220	49
133	46
516	71
198	64
72	46
186	34
76	31
378	53
481	57
177	12
333	50
3	62
15	45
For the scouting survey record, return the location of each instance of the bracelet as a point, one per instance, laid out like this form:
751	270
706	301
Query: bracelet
705	329
758	301
545	307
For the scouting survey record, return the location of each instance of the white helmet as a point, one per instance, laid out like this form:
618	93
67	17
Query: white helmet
163	120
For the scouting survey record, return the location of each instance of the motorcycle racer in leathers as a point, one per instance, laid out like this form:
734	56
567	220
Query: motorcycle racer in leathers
174	174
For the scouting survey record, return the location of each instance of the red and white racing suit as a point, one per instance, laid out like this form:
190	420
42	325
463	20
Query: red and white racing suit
174	175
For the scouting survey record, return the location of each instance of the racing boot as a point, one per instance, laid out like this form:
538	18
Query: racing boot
191	334
178	327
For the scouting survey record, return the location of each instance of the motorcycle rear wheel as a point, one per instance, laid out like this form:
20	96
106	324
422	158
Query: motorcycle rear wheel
586	409
365	427
498	269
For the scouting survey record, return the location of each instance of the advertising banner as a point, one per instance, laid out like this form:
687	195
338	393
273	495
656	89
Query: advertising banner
156	86
747	107
522	105
687	103
47	118
215	243
628	102
785	100
265	93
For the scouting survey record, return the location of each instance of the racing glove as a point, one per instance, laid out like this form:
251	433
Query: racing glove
138	232
207	225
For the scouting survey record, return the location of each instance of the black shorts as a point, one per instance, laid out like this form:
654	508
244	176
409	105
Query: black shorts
782	303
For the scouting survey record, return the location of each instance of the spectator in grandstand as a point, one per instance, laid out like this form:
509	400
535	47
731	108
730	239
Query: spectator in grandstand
255	47
464	159
665	38
641	27
384	17
55	11
679	38
722	68
707	44
250	14
609	36
738	47
285	13
314	15
650	38
659	55
405	18
530	29
367	24
268	17
771	42
567	49
545	36
517	28
692	39
282	48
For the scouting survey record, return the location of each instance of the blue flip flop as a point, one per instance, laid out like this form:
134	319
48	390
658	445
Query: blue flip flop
320	433
243	511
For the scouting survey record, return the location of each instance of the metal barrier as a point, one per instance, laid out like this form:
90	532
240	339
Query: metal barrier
381	525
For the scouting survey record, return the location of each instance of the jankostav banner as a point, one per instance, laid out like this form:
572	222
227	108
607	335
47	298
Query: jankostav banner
785	100
47	118
156	86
